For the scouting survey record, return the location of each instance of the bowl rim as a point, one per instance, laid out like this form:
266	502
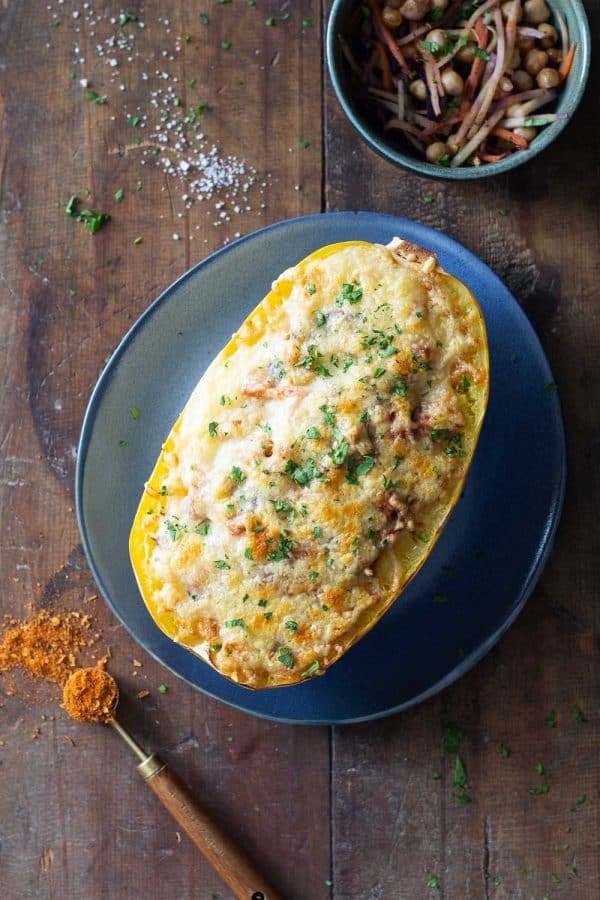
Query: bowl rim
461	173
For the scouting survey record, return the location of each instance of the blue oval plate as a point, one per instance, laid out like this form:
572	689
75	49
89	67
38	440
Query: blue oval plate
486	562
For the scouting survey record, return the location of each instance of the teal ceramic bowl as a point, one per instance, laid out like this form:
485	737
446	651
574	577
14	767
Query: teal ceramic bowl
396	149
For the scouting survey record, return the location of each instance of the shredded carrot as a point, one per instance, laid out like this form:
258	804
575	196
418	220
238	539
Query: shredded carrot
511	137
384	64
387	36
493	157
565	66
477	66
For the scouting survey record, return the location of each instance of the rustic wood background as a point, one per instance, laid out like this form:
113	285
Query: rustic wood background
352	813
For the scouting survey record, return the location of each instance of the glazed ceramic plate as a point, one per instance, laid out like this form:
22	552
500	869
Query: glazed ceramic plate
490	554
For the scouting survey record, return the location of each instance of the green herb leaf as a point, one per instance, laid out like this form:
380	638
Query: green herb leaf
460	773
93	97
286	657
203	527
401	388
236	623
225	45
503	750
551	720
204	20
314	667
313	433
119	195
292	626
237	475
162	689
304	144
134	121
433	882
212	428
579	714
477	51
135	412
221	564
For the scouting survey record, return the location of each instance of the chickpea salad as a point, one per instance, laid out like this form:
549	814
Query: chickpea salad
466	81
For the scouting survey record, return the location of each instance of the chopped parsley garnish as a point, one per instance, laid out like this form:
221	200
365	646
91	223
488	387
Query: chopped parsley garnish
292	626
431	47
306	23
463	386
328	414
268	22
93	221
579	714
237	475
350	292
459	778
235	623
134	121
221	564
314	667
302	475
164	491
423	536
286	657
135	412
304	144
503	750
356	468
203	527
454	445
225	45
539	789
463	799
538	768
284	549
248	553
268	615
433	881
119	195
93	97
364	417
162	689
477	51
212	428
321	319
324	607
126	17
312	289
175	529
551	720
378	373
503	211
216	647
317	531
262	602
401	388
339	453
313	433
122	443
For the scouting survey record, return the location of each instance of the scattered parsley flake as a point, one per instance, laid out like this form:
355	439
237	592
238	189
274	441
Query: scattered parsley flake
433	882
503	211
503	750
304	144
579	714
134	121
212	428
122	443
314	667
135	412
225	45
292	626
235	623
286	657
119	195
237	475
162	689
221	564
459	778
204	20
138	240
93	97
551	720
270	22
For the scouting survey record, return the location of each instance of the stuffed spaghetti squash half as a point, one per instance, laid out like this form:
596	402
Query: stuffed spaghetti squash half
315	464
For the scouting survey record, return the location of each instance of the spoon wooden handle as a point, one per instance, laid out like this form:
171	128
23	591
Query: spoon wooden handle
221	852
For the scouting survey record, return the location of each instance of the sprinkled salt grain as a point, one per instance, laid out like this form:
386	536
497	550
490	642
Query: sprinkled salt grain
83	82
112	62
175	237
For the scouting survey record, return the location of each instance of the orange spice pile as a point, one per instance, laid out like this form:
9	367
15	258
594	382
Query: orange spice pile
46	646
90	695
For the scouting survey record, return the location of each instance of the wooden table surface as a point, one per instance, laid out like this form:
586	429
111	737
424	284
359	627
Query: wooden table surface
353	813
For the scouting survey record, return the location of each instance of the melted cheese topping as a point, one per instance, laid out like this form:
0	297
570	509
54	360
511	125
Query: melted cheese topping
315	462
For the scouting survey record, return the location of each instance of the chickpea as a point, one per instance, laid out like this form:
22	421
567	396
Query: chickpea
525	43
527	133
554	56
413	10
452	144
392	17
434	151
550	35
505	85
522	80
536	12
452	82
418	90
515	59
535	61
466	54
437	36
506	7
548	78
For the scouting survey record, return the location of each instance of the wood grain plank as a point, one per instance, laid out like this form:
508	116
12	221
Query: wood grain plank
506	842
75	817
